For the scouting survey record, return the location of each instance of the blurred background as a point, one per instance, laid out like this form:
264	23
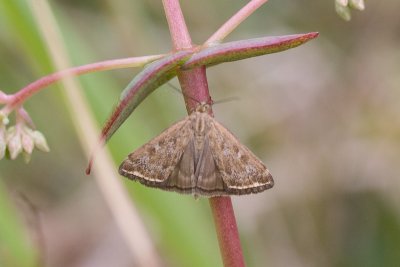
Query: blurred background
324	117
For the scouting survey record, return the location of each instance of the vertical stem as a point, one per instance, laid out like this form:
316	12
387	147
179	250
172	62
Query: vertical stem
227	231
177	26
234	21
194	86
193	82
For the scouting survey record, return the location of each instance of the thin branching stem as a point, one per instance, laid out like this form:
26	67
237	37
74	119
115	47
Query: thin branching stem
36	86
177	26
235	21
4	98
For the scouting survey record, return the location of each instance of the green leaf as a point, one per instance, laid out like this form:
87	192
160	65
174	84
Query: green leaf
152	77
243	49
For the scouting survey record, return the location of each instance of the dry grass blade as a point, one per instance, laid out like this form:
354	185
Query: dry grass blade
106	177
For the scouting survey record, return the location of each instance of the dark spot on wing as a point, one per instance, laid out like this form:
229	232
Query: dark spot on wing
152	151
228	170
244	158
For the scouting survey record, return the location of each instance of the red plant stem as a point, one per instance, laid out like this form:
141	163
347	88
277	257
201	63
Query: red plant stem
36	86
195	89
227	231
177	26
235	20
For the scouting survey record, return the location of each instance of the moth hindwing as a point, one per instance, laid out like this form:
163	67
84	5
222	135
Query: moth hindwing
198	156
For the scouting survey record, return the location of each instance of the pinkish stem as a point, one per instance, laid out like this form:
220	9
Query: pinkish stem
3	98
235	20
24	116
177	26
227	231
195	89
21	96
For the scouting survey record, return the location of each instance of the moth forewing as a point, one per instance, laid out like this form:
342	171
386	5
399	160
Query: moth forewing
240	169
155	161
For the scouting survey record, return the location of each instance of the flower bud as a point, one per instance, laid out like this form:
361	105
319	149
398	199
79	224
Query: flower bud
4	119
3	144
40	141
14	142
342	2
343	11
27	142
357	4
26	156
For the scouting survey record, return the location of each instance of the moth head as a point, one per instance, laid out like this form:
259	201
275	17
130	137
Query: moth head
203	107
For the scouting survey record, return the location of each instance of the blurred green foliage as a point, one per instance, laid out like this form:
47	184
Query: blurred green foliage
15	246
324	117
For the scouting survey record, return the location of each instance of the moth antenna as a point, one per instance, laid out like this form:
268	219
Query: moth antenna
180	92
175	88
211	102
227	99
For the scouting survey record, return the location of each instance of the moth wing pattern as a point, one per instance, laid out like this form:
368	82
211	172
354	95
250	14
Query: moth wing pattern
240	169
196	173
209	179
202	179
182	178
153	163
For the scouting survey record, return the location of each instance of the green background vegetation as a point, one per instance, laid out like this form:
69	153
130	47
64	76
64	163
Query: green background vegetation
324	117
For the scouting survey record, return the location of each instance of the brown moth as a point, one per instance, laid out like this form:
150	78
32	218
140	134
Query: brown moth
198	156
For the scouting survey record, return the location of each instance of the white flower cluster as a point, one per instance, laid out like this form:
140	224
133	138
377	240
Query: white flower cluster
343	7
19	139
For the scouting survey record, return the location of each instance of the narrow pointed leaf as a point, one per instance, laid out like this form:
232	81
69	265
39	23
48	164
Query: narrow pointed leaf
152	77
243	49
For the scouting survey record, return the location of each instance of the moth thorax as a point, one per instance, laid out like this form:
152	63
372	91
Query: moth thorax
199	124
